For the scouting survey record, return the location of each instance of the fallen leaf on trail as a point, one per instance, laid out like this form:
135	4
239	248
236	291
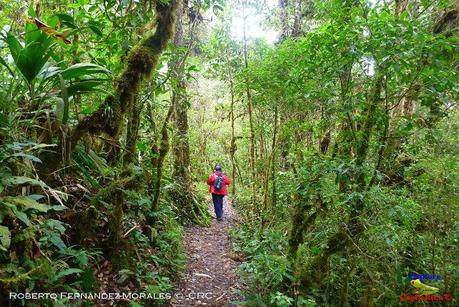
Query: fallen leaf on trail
203	275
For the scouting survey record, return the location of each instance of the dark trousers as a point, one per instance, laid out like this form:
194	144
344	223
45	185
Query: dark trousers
218	205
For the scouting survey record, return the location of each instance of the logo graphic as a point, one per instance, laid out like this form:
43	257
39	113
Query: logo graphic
423	291
414	276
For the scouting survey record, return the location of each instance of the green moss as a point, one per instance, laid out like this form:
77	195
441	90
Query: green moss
140	63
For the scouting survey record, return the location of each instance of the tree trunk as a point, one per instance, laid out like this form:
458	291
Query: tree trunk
181	148
189	206
283	6
270	169
297	21
163	150
141	61
233	142
252	131
353	228
132	132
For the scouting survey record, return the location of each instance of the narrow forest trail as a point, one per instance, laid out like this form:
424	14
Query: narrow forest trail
210	278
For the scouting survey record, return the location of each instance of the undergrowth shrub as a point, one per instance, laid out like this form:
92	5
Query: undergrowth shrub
408	228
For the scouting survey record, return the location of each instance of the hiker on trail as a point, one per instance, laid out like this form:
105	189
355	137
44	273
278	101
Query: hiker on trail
217	187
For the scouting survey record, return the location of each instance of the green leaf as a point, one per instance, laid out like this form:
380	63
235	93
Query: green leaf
55	224
31	58
31	11
3	62
67	272
53	21
96	30
4	121
67	20
83	69
5	238
57	241
18	180
14	46
40	146
27	156
18	214
85	86
89	280
58	208
28	203
35	196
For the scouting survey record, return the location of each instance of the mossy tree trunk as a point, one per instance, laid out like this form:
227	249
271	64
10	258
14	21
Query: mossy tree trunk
181	148
296	30
283	10
162	152
233	141
251	125
132	131
140	63
270	172
109	118
189	206
351	230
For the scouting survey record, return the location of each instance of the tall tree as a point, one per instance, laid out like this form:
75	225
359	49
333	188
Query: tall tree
250	112
184	194
181	148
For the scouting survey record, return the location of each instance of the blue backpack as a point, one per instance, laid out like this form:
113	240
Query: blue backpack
218	183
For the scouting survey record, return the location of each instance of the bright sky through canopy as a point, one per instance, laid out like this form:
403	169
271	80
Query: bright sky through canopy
255	27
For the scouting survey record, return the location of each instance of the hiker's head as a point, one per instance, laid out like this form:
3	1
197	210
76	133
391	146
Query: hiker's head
218	168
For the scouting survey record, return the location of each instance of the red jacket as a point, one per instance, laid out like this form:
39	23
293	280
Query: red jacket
211	181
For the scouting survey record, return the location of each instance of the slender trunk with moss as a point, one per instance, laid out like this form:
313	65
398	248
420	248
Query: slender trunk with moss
233	142
154	149
297	19
283	10
189	206
301	221
132	131
269	171
350	231
252	130
163	150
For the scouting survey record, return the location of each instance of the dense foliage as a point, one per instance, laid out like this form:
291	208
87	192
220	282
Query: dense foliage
356	157
341	139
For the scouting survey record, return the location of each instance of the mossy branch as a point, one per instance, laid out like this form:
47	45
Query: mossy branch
141	61
163	150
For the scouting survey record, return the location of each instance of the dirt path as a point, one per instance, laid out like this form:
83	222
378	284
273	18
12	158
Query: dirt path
210	278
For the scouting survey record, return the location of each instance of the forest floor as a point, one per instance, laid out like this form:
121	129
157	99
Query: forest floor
210	278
